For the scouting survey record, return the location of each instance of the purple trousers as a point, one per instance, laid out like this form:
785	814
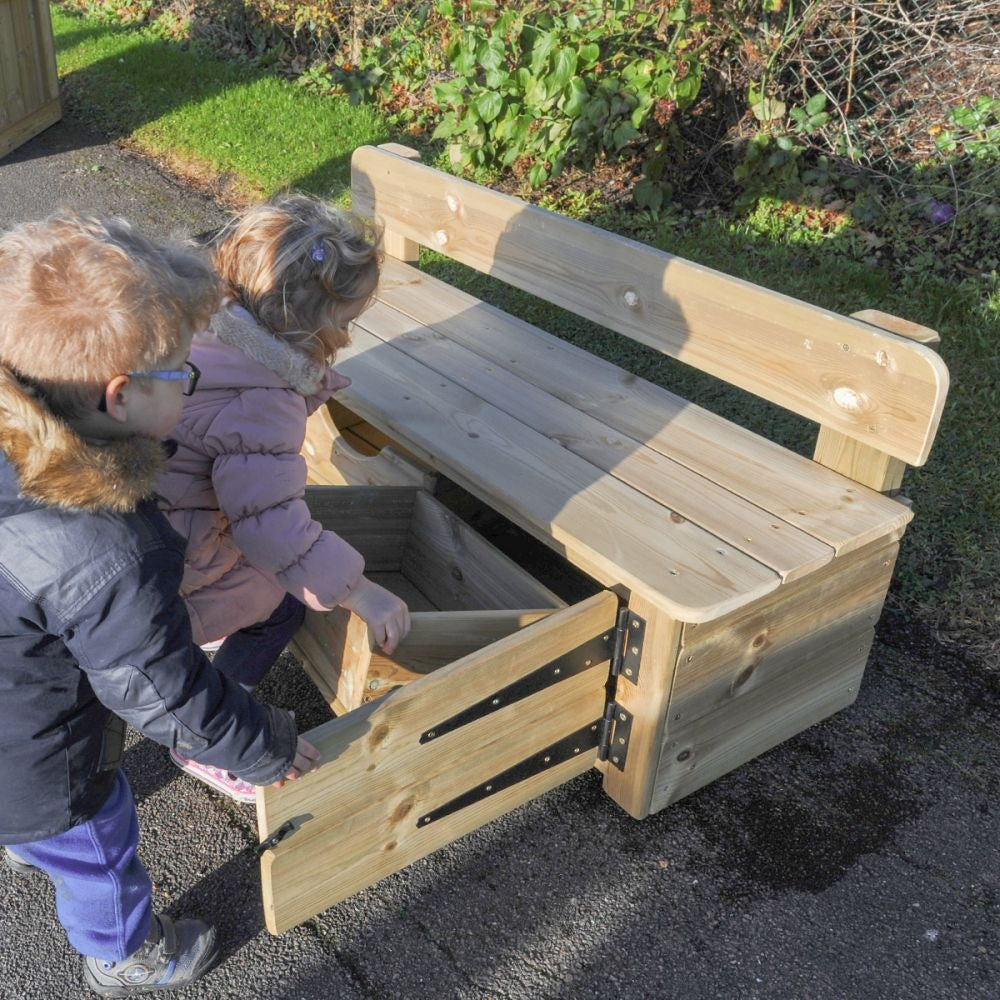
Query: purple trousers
103	894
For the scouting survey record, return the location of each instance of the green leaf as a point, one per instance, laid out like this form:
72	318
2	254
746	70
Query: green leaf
816	104
575	98
489	104
589	55
623	133
540	53
538	175
447	127
648	195
563	70
768	110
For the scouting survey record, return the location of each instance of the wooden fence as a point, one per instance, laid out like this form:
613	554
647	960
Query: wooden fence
29	87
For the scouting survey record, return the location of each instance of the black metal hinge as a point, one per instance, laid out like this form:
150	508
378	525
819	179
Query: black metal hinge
609	734
630	631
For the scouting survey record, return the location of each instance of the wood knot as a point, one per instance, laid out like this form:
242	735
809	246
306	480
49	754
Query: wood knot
403	810
743	677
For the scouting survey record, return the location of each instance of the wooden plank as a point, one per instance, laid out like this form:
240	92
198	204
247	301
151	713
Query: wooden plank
331	461
459	570
786	485
335	648
788	550
436	638
904	327
376	520
861	462
416	599
547	490
393	243
840	372
721	661
357	816
46	49
820	685
754	678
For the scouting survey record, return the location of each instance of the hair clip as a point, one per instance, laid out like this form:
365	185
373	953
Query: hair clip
317	252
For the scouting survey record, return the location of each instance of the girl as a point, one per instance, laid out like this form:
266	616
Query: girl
296	273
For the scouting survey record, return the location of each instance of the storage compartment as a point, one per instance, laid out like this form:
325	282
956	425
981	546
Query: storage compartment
498	694
463	594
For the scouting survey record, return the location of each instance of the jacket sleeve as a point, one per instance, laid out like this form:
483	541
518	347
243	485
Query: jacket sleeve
133	640
259	478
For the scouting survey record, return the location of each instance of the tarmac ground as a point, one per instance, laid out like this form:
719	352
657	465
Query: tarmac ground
858	861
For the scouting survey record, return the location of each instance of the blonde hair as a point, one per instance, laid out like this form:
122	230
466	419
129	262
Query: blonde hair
84	299
298	265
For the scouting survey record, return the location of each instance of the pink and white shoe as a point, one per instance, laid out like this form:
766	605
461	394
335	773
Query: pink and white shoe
220	780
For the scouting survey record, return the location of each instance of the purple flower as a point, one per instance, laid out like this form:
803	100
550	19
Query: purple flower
940	212
317	252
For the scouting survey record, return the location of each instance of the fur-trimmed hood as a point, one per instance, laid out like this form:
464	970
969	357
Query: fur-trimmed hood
56	466
235	326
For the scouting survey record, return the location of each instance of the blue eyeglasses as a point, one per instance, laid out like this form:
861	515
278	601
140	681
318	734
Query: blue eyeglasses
192	374
189	373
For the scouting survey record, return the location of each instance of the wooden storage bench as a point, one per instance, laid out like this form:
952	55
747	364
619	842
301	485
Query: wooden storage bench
736	584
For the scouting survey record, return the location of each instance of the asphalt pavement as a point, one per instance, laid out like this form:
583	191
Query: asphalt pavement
858	861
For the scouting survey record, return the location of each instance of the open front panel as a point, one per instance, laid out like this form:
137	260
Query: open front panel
405	775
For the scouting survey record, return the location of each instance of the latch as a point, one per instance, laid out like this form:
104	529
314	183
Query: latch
269	843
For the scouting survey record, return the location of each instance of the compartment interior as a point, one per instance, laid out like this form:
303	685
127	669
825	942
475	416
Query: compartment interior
463	593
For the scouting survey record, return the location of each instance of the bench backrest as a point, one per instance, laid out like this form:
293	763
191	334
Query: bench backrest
882	390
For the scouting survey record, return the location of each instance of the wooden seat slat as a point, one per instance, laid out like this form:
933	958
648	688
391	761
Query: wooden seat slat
609	529
787	550
836	511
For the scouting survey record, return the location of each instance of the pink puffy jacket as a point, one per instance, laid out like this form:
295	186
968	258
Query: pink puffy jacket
234	487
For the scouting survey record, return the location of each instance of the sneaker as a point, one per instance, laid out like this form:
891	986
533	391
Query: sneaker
17	864
173	955
220	780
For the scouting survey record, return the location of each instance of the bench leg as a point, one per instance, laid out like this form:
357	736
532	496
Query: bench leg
647	701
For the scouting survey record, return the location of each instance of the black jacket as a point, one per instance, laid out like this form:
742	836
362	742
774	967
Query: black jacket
92	630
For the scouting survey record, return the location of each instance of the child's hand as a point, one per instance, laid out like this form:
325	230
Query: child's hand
384	613
306	760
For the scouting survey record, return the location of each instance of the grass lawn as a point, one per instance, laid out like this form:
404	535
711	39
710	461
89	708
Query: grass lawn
209	118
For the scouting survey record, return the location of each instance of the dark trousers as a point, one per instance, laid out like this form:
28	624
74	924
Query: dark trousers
247	655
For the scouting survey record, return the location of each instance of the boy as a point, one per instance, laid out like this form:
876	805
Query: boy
95	327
